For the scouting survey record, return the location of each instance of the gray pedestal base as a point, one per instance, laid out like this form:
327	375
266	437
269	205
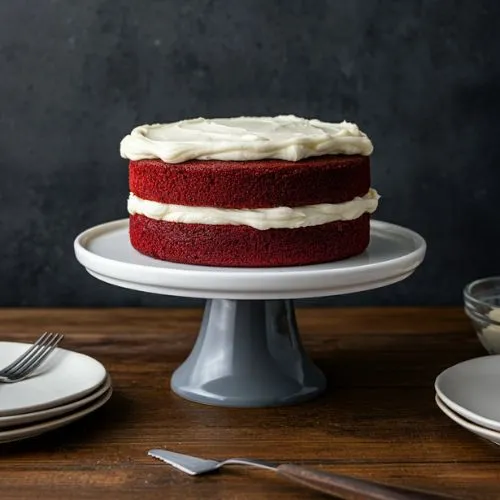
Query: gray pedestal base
248	354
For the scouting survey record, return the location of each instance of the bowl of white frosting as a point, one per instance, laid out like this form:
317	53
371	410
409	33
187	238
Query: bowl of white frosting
482	305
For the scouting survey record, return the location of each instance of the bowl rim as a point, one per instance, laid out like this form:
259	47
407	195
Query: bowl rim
468	297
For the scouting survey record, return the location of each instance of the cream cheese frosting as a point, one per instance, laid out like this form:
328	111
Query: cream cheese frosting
491	333
258	218
245	138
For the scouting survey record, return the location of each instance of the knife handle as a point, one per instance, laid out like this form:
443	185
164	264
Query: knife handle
350	488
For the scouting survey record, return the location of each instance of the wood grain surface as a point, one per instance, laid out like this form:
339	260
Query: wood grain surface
377	420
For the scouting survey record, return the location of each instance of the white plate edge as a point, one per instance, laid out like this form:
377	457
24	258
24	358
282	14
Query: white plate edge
412	259
47	414
32	430
61	401
470	426
460	410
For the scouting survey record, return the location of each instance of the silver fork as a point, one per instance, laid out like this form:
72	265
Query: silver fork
31	359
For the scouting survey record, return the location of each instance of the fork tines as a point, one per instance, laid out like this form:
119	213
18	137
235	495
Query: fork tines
33	357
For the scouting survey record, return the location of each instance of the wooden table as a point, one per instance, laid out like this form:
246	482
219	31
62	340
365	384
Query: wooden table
377	420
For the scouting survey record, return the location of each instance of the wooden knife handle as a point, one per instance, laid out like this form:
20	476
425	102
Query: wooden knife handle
350	488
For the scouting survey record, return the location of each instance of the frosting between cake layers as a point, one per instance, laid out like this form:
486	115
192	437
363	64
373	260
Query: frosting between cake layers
243	139
258	218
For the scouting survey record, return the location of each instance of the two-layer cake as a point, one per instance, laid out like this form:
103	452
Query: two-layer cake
249	191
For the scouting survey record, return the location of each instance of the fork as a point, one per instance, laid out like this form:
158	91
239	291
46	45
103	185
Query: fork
26	363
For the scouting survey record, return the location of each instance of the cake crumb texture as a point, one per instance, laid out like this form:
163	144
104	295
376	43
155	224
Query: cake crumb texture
251	184
243	246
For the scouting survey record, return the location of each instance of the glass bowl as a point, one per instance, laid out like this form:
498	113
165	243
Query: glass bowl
482	306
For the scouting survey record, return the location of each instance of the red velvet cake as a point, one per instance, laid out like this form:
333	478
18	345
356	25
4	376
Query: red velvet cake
249	192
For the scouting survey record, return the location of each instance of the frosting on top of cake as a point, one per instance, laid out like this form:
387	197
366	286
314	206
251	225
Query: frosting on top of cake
245	138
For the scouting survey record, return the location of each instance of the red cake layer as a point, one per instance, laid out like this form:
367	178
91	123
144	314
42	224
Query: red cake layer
243	246
252	184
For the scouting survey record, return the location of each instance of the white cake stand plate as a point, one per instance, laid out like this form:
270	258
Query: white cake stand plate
248	352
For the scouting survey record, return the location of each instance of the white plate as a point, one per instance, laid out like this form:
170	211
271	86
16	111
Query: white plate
37	416
488	434
36	429
472	389
66	376
393	254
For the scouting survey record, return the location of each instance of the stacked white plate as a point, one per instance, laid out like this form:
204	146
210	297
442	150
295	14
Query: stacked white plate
65	388
469	394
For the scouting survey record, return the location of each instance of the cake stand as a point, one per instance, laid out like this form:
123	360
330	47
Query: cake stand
248	352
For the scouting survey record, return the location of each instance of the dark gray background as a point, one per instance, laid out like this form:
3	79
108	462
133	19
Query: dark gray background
420	77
